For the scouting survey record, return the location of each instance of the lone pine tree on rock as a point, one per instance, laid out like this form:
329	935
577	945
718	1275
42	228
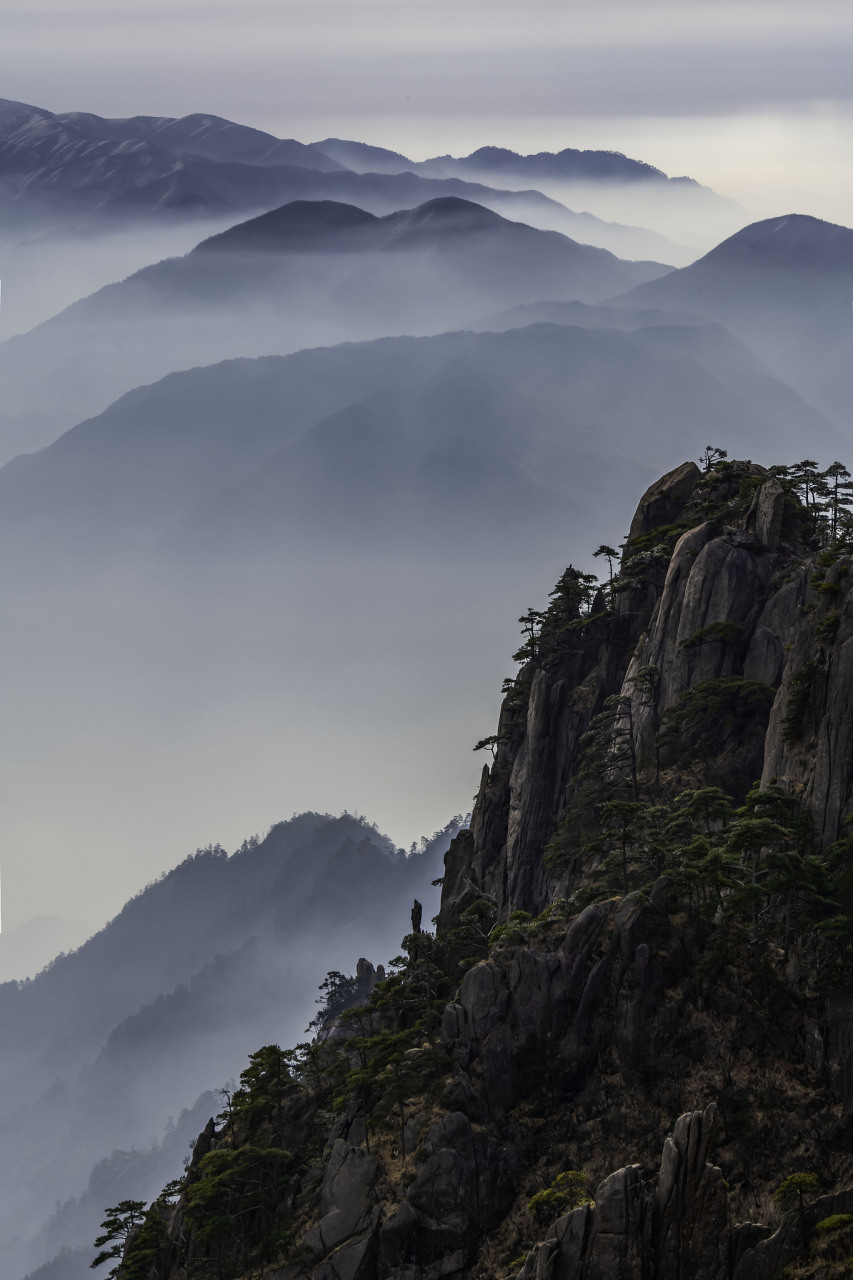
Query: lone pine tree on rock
117	1226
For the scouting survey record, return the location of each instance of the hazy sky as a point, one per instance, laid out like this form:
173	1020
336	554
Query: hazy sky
753	98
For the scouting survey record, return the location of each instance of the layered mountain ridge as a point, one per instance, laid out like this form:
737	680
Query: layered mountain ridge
784	285
310	273
83	169
110	1041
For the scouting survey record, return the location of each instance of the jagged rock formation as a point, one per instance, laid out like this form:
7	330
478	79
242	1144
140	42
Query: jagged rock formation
743	577
647	1031
677	1229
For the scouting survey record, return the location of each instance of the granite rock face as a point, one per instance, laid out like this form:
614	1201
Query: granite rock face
347	1203
676	1229
741	602
814	756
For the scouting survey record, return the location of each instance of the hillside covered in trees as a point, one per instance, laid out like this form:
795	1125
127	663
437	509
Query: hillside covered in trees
626	1051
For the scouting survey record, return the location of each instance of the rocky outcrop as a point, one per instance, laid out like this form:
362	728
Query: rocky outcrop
462	1183
811	751
737	600
522	796
601	985
766	515
665	500
676	1229
347	1203
765	1256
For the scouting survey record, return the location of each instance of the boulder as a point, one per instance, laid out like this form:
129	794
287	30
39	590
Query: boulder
347	1199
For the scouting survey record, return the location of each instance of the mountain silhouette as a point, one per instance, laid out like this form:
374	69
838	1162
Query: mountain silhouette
491	438
785	286
77	168
121	1030
307	274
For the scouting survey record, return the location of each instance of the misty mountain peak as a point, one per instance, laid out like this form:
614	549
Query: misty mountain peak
570	163
446	214
14	114
298	225
362	157
495	155
794	240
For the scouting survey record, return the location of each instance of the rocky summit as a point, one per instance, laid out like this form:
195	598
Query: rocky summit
626	1053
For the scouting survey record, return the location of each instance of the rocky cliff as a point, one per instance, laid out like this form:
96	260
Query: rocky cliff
642	962
736	595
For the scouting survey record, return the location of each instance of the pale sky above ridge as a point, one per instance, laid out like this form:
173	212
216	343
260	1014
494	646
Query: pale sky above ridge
754	99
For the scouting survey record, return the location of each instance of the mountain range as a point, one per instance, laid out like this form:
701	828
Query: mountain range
154	1010
307	274
75	165
376	443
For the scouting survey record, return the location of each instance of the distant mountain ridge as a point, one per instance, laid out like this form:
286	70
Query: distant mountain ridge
359	443
76	165
328	272
784	285
785	258
601	166
220	946
324	224
195	160
208	136
795	240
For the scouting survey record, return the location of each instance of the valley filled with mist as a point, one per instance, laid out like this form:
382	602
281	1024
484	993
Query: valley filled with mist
291	433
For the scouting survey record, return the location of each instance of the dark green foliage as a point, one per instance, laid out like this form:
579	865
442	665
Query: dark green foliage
514	929
705	718
647	558
712	457
827	629
741	871
234	1206
264	1085
119	1223
800	700
391	1051
722	632
829	1254
147	1253
750	901
531	627
607	772
568	1191
631	834
338	991
724	492
835	1222
550	633
610	554
836	930
822	516
796	1190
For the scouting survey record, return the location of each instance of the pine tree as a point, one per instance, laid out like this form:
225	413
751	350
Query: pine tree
119	1223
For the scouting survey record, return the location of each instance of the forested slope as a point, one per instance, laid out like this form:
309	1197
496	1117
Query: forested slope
642	962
